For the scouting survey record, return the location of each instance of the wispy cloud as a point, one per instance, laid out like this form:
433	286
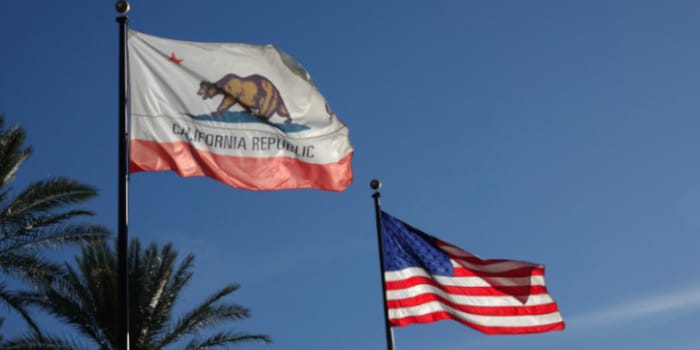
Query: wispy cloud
640	308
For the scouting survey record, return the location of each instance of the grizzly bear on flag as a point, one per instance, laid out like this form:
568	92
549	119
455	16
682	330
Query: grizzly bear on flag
255	93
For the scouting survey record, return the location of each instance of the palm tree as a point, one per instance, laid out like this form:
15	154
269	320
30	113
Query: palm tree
36	218
86	299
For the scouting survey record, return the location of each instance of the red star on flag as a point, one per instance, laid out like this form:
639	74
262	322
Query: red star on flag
174	58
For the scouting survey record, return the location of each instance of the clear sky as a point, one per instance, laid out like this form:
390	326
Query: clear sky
558	132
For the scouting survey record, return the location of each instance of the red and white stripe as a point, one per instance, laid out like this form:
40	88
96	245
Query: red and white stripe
491	296
249	173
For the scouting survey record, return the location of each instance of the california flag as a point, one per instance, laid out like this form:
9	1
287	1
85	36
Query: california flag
246	115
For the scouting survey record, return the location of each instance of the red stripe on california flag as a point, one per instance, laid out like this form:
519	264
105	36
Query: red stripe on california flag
444	315
476	291
475	310
272	173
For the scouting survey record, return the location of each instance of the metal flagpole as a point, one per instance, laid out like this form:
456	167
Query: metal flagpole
375	185
123	211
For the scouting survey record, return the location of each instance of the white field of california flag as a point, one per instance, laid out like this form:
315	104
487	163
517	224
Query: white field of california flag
246	115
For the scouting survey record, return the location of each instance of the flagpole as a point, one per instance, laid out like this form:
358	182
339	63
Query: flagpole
375	185
123	236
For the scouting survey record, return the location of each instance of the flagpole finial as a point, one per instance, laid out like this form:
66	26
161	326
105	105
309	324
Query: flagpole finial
375	184
122	6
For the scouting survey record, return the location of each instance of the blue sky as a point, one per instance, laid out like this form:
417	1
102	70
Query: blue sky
558	132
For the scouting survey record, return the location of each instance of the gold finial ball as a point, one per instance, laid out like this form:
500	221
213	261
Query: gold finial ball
375	184
122	6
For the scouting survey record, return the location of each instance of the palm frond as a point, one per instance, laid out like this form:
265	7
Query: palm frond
222	339
30	267
47	195
37	342
154	301
70	301
15	225
11	153
17	303
173	287
207	314
53	236
98	269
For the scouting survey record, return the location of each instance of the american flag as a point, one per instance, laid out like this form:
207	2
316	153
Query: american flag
428	280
